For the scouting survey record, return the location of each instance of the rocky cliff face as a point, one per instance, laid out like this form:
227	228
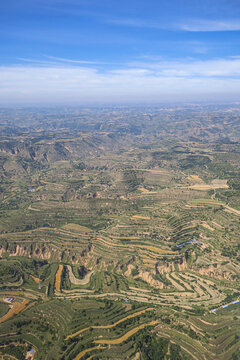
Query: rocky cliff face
48	253
165	267
215	272
146	276
40	252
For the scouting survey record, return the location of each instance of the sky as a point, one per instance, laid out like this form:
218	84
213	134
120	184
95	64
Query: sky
128	51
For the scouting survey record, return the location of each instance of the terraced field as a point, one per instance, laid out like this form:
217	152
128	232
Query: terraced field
16	308
131	247
58	278
125	336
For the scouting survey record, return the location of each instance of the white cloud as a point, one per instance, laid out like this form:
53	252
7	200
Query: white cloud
194	68
191	25
64	60
210	25
146	81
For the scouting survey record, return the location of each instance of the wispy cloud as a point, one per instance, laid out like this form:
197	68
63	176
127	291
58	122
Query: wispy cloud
191	25
140	81
53	60
37	61
64	60
229	67
155	65
210	25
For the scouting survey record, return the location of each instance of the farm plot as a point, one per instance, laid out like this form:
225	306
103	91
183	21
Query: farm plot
84	352
16	308
58	278
76	281
127	335
110	325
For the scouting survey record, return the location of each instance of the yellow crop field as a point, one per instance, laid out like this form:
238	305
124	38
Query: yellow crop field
16	308
77	333
204	224
124	237
150	207
140	217
45	182
125	336
155	171
215	184
154	249
207	201
82	353
143	189
58	278
121	320
35	278
194	177
111	325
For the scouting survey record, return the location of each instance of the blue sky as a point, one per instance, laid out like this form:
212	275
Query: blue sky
89	51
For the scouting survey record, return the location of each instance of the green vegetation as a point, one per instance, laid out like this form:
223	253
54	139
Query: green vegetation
98	226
